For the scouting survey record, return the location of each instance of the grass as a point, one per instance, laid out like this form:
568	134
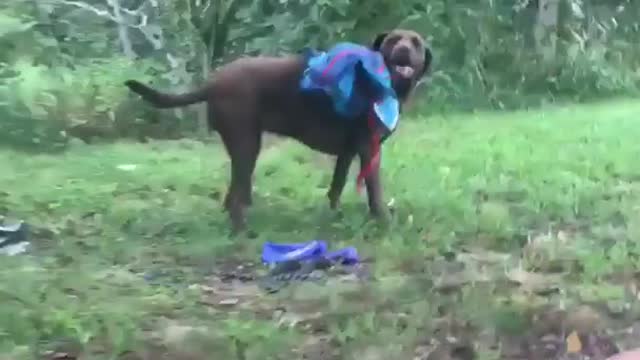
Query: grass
539	207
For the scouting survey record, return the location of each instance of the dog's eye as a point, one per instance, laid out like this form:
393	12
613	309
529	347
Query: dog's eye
391	41
416	42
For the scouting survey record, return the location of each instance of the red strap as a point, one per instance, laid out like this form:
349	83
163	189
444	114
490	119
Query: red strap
375	153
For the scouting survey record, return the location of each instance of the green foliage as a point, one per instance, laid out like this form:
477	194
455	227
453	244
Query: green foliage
63	64
42	104
487	55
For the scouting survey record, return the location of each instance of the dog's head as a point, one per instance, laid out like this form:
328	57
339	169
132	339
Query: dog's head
407	56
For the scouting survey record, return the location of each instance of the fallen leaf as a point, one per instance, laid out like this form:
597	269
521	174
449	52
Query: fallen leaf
229	302
290	319
574	345
204	288
533	282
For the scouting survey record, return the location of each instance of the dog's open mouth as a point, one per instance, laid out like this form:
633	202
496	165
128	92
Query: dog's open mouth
404	71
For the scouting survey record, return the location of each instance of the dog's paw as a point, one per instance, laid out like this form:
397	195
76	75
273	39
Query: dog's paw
381	214
334	200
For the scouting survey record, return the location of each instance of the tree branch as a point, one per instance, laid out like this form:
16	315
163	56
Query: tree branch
108	15
102	13
222	29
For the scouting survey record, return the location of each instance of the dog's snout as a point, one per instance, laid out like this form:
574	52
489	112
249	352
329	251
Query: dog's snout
402	54
404	50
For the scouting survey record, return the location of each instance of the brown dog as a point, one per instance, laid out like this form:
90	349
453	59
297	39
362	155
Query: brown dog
255	94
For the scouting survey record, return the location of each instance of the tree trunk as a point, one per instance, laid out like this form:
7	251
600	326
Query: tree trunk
545	30
123	30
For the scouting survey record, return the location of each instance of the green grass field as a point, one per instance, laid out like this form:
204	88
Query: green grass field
499	219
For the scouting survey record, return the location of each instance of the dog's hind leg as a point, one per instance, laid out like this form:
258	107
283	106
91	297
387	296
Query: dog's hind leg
249	154
243	147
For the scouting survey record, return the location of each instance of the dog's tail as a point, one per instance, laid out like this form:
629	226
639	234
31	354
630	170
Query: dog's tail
164	100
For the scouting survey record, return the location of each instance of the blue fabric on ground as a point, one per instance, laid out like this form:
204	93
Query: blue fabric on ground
334	72
273	253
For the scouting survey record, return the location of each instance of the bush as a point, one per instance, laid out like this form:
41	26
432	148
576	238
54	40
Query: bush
44	104
62	67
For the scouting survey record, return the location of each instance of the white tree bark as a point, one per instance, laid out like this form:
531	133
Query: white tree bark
123	30
124	19
545	31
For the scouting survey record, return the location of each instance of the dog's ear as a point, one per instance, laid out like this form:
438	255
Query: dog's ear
377	41
428	59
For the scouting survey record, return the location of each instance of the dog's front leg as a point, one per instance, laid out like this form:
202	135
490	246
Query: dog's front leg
339	179
373	185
